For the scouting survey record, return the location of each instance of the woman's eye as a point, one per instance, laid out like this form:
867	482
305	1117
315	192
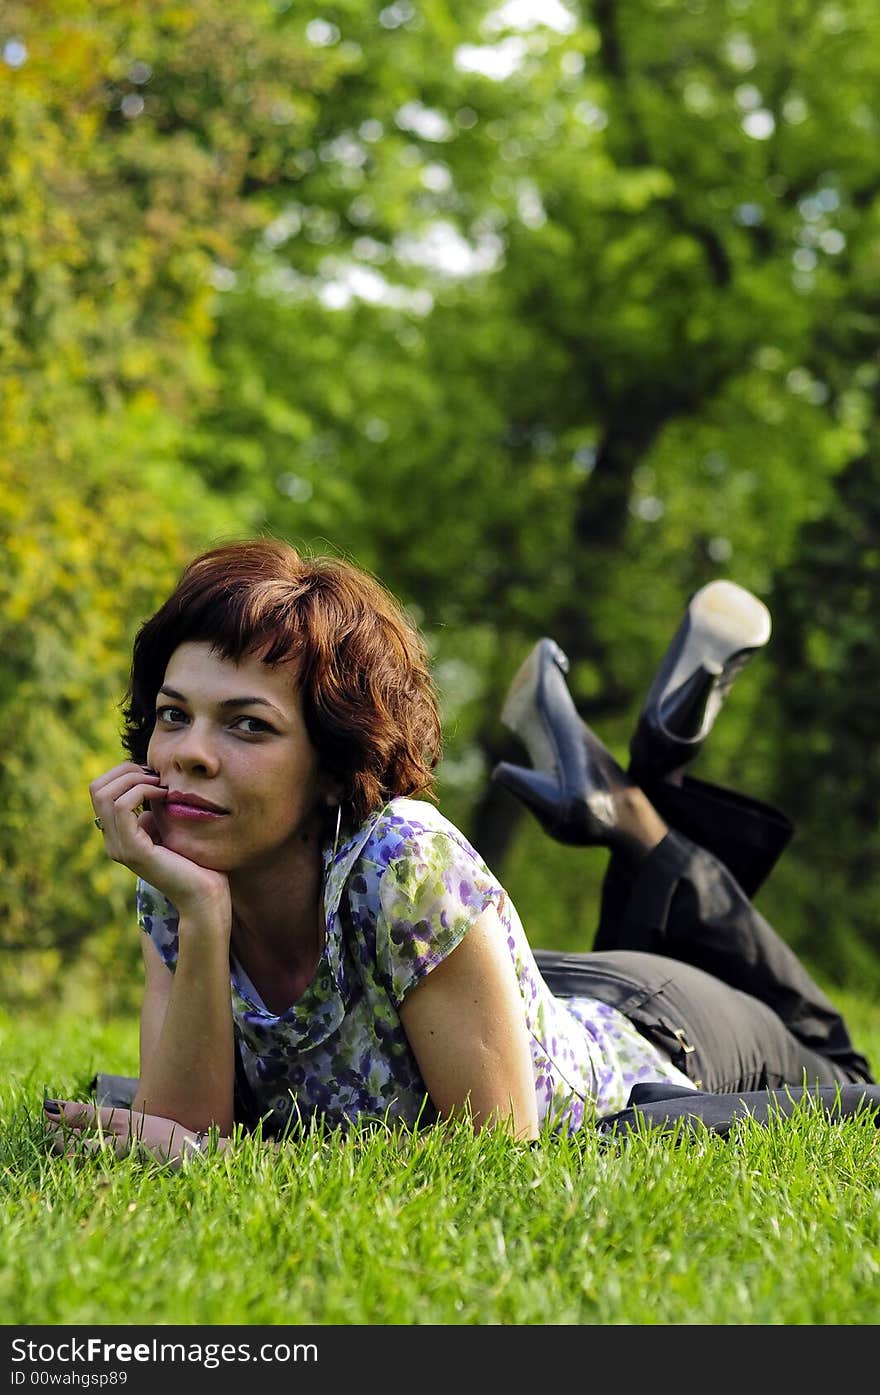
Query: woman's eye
252	726
172	715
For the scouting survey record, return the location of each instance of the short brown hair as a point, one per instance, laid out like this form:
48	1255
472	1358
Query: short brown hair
369	703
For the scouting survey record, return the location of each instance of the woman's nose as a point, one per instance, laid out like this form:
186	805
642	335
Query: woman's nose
195	750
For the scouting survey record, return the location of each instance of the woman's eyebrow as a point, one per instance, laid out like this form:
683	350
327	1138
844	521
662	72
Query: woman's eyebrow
227	702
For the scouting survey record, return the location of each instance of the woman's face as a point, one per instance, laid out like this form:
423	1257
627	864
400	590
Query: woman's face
231	736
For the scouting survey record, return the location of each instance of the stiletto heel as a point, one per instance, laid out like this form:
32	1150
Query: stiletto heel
572	787
722	628
520	713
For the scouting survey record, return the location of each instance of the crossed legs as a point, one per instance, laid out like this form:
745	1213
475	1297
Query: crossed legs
680	948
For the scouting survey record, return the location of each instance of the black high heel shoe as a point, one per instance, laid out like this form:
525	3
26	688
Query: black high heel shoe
722	627
571	789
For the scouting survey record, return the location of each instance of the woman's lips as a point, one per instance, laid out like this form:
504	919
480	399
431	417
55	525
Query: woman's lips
183	804
189	811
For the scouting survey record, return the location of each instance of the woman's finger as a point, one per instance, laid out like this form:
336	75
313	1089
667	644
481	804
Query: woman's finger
73	1113
104	801
77	1114
121	1132
119	821
111	788
132	799
113	774
119	772
79	1128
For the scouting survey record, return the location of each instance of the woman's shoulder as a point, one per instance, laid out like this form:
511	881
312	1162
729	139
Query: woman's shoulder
416	890
416	853
416	815
407	828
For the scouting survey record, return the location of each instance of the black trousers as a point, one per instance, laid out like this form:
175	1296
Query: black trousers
682	952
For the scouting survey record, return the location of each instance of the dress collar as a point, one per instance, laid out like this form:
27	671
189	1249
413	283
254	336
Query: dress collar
320	1011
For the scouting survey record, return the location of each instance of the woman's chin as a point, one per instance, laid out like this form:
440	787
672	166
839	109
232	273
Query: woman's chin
194	849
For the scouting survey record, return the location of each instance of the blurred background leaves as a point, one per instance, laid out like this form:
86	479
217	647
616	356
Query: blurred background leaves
545	313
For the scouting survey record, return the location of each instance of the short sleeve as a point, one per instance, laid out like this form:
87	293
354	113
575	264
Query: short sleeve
158	919
433	890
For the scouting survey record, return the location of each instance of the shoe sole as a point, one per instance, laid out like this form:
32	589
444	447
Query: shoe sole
725	624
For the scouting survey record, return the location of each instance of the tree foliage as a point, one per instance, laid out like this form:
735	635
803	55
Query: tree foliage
547	323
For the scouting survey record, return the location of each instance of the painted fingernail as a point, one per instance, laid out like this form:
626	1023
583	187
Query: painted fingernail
148	770
52	1106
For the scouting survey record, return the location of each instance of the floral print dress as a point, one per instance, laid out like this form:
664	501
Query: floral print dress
399	895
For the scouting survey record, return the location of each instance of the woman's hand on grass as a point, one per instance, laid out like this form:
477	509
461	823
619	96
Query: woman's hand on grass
115	1129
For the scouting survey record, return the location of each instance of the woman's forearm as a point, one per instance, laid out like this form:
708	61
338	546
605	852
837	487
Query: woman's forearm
189	1075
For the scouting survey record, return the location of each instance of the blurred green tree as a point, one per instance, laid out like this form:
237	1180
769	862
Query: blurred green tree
546	316
112	229
562	350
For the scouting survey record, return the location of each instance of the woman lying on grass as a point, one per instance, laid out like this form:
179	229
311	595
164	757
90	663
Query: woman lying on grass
283	731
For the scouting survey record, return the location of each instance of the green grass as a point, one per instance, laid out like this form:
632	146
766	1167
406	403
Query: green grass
777	1225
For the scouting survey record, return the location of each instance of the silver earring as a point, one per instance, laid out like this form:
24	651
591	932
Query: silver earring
336	836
